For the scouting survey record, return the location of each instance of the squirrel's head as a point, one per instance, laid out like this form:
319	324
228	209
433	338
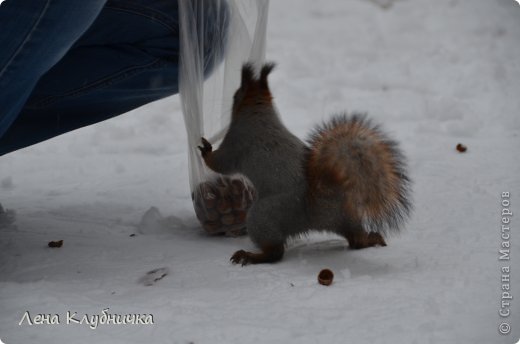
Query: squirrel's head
253	91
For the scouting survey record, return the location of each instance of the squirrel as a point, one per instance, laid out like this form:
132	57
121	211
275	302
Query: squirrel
349	179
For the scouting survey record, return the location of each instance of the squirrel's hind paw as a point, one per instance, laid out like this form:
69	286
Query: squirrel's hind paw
363	239
240	257
269	254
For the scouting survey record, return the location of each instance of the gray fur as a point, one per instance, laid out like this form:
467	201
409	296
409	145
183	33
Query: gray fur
259	146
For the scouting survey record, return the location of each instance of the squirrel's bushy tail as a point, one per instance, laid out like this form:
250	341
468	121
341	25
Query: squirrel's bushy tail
352	157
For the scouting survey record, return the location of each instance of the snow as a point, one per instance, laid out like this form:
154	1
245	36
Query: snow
434	73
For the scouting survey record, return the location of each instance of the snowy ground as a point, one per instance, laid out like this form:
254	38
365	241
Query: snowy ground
435	73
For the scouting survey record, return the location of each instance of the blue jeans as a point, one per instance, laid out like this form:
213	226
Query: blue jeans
65	64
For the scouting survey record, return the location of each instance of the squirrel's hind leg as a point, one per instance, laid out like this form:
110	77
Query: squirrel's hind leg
359	238
266	229
268	254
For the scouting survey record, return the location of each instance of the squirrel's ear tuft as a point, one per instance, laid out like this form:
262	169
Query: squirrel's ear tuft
248	74
266	69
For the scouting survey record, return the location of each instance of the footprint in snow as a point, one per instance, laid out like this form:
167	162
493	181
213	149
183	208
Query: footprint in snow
153	276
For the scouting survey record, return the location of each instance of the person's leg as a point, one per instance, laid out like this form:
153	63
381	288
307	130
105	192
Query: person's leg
128	58
34	35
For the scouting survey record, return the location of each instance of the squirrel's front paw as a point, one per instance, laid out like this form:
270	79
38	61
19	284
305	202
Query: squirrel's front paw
206	147
240	257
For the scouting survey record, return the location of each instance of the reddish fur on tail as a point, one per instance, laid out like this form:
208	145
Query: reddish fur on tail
352	157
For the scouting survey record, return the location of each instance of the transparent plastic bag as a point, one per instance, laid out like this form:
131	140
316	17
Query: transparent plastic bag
217	37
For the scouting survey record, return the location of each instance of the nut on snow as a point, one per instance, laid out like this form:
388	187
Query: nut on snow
461	148
325	277
55	244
